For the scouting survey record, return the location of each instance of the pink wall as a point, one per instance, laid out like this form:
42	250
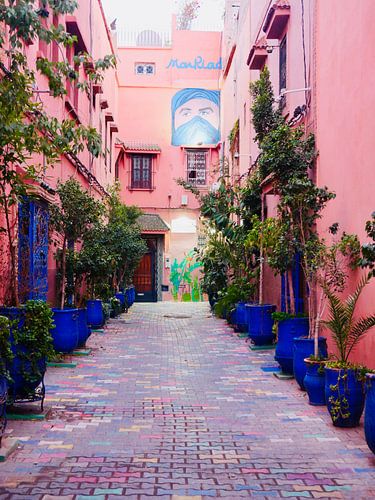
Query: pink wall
97	41
145	117
345	126
338	55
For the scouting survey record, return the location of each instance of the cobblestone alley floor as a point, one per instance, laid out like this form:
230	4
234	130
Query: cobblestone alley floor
179	407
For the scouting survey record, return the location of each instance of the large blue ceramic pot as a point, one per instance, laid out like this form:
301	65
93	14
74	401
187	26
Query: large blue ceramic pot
260	323
241	317
25	378
287	330
370	411
65	334
345	396
314	382
132	294
3	400
3	389
84	331
95	316
303	348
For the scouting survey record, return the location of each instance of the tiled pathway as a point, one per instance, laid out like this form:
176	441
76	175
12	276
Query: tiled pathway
180	408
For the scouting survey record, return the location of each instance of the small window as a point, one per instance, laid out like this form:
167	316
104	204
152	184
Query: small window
141	172
196	161
145	68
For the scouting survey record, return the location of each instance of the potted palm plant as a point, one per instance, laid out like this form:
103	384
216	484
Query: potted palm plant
344	386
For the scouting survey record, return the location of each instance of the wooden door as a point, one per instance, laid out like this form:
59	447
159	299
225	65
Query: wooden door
144	278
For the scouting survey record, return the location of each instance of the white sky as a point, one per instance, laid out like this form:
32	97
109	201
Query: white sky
134	15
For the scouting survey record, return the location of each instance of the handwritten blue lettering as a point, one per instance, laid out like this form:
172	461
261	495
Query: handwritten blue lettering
197	64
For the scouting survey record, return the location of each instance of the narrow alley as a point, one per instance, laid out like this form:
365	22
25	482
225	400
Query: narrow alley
172	403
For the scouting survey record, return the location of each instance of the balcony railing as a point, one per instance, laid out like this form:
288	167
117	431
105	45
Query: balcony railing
145	38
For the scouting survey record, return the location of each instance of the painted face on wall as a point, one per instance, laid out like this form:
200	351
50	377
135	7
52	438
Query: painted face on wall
195	117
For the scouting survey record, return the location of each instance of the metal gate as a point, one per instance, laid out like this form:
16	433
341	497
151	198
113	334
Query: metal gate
33	250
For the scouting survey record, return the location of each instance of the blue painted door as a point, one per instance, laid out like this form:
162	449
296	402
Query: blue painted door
33	250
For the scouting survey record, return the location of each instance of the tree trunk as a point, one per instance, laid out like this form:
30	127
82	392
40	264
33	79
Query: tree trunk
12	254
291	292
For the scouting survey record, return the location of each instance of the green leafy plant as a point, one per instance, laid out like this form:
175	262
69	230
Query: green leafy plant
367	259
111	249
6	355
33	340
115	305
73	218
347	331
27	130
238	291
287	154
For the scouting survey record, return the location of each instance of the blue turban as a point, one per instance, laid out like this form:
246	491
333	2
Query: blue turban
197	129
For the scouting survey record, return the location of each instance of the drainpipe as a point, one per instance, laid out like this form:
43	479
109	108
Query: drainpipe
261	258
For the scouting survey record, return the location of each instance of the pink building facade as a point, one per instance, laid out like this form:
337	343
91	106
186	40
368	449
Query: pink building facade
319	55
97	108
169	103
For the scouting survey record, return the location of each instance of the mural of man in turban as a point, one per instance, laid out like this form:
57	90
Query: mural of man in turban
195	117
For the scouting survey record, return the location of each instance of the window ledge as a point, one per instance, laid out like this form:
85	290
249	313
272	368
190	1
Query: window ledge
130	188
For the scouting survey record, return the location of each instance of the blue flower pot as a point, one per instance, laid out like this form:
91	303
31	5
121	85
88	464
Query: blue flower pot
260	323
345	396
65	335
241	317
303	348
370	411
287	330
121	297
21	371
3	389
130	295
95	316
23	374
314	382
84	331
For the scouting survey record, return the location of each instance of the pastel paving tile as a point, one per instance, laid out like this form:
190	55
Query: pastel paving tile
180	408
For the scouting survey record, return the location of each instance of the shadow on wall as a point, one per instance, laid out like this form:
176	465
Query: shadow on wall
185	285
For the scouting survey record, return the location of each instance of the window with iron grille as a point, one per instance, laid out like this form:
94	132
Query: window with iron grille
196	161
141	173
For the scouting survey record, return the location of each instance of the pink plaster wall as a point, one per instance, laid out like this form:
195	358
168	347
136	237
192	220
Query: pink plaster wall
339	55
97	39
145	117
345	126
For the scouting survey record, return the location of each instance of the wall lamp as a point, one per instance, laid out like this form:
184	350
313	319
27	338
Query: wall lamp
269	48
285	91
237	155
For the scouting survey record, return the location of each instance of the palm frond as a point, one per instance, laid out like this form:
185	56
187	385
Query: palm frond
358	330
351	300
338	320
